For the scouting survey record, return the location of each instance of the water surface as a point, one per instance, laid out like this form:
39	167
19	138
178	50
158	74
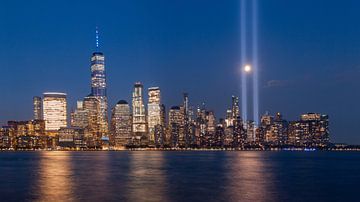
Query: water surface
179	176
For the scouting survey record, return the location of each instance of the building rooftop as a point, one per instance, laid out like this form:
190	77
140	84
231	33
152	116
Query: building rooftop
175	107
54	94
122	102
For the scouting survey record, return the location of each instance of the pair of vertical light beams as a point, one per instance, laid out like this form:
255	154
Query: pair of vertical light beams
245	61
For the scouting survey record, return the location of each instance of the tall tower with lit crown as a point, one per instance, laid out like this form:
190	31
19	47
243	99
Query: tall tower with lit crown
98	88
98	77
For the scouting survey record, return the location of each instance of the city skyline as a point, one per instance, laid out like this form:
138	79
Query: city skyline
274	84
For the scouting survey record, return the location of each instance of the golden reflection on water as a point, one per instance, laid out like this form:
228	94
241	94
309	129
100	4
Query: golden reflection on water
148	179
55	177
248	178
145	176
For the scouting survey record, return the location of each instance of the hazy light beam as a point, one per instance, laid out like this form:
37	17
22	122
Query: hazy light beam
255	62
243	60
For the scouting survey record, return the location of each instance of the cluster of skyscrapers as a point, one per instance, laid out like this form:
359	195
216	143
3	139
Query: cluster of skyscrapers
138	125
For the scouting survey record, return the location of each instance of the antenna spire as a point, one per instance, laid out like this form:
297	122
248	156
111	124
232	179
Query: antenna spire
97	37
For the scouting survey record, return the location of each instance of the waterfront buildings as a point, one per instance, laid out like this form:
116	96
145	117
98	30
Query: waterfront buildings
176	126
55	111
80	116
121	124
98	93
71	137
24	135
184	129
37	108
155	115
134	126
139	114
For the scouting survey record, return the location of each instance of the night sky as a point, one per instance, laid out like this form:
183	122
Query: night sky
309	54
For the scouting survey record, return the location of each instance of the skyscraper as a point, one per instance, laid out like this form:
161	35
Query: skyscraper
37	108
55	114
154	115
315	129
80	117
92	107
121	126
176	120
187	131
98	78
235	110
98	89
139	116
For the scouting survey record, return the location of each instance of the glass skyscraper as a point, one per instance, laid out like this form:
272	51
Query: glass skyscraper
98	78
139	113
121	123
98	91
154	111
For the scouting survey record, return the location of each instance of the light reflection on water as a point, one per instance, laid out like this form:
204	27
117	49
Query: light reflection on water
55	179
178	176
147	177
248	178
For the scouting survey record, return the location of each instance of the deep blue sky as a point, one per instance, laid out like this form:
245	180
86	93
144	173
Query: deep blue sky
309	54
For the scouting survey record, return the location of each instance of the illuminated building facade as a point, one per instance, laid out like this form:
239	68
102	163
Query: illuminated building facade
121	124
71	137
92	105
155	111
315	129
229	118
176	123
98	91
188	132
54	110
80	117
279	129
96	102
98	78
7	137
139	113
28	134
37	108
235	109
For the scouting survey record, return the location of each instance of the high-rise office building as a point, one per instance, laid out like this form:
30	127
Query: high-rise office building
315	129
266	122
139	113
235	109
229	118
187	120
276	133
121	123
54	110
154	116
98	76
37	107
176	124
72	137
98	90
80	117
92	106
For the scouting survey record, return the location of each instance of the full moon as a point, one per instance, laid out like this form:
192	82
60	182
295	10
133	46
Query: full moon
247	68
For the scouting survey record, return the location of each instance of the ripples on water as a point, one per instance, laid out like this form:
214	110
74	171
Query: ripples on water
179	176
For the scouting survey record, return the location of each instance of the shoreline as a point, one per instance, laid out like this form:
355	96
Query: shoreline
189	150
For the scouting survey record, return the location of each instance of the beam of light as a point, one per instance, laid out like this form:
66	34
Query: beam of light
255	64
243	60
